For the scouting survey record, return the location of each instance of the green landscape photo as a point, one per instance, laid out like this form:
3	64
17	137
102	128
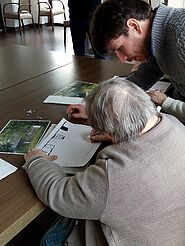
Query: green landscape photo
19	136
76	89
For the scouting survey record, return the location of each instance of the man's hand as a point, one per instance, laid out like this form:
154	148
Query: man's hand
157	97
76	111
39	153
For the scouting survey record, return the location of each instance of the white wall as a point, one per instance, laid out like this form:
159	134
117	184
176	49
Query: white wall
176	3
155	3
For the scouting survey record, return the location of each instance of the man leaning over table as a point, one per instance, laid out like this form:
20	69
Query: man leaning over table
134	193
134	32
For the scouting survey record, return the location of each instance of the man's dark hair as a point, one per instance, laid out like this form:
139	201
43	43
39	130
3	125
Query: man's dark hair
110	20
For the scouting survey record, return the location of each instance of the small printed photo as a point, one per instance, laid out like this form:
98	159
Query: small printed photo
72	93
20	136
76	89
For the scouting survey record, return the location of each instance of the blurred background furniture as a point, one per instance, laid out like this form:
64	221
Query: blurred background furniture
1	20
165	2
155	3
20	10
66	24
47	8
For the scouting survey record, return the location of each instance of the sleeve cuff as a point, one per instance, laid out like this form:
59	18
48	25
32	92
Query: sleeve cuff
167	102
28	164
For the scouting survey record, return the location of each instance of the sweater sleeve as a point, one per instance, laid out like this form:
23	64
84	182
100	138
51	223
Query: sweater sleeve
81	196
147	74
174	107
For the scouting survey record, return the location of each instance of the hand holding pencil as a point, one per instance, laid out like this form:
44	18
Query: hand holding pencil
96	136
76	111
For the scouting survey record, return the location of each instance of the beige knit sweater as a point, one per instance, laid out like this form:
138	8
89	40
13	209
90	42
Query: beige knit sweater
135	191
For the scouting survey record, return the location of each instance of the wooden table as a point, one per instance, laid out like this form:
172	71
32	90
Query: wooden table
19	204
20	63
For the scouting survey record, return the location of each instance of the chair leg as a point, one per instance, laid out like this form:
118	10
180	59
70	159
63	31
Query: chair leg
65	36
39	20
5	25
20	27
52	23
33	24
66	24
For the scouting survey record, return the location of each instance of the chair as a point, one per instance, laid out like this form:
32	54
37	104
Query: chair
18	11
45	8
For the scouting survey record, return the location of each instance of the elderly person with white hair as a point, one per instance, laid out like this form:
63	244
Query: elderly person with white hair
134	193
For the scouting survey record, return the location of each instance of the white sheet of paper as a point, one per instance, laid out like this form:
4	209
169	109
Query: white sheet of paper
71	143
6	168
63	100
161	85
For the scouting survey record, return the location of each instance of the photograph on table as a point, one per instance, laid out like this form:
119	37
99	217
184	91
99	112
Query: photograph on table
19	136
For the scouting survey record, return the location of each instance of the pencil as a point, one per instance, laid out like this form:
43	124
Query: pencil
96	133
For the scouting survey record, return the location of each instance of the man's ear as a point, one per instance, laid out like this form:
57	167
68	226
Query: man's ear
134	25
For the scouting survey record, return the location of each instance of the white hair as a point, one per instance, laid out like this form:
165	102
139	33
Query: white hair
120	108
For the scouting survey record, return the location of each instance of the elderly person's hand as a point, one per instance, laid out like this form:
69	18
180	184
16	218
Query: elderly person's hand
38	153
98	137
157	97
76	111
